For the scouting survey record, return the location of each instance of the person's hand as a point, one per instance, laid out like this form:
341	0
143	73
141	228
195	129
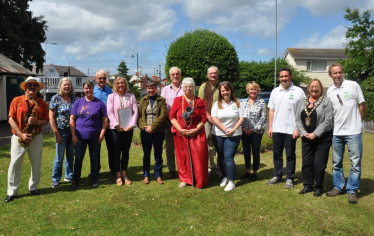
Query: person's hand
75	140
58	138
229	132
119	128
101	138
33	121
192	132
148	129
310	136
26	138
183	132
210	120
128	128
296	134
270	132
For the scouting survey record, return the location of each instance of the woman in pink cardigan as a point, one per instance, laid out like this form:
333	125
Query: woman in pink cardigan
121	136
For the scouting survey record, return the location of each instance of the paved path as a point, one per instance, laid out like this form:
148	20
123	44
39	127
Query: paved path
5	133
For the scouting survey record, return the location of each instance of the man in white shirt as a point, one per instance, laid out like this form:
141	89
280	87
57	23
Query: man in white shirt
349	110
170	92
282	126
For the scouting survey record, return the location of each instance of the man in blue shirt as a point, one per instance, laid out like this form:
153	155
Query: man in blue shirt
101	91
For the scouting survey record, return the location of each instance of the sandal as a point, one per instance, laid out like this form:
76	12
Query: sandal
127	180
119	181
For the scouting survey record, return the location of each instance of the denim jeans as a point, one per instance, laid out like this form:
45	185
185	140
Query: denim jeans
226	148
252	143
67	144
156	140
354	143
80	151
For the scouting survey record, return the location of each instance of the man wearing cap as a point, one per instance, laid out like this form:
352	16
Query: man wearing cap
170	92
209	93
27	115
102	91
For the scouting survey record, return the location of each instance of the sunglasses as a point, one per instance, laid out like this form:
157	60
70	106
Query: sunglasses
30	85
340	100
101	78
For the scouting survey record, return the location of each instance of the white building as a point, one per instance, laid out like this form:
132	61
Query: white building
52	74
314	62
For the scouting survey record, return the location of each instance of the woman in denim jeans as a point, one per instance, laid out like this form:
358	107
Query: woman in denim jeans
227	116
59	115
253	128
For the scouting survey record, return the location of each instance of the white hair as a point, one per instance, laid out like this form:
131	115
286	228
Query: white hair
212	67
175	68
100	71
188	81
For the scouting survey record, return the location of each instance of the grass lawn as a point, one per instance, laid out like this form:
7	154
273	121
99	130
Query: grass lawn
139	209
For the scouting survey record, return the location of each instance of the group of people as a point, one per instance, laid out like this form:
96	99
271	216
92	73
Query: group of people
192	126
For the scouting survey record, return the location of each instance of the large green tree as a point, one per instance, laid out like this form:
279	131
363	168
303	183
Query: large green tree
360	45
263	74
122	71
21	34
196	51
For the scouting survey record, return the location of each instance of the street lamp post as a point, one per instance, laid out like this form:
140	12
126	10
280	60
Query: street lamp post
45	59
137	62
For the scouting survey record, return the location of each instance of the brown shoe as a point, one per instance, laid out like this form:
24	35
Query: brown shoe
159	180
334	192
146	180
171	175
352	198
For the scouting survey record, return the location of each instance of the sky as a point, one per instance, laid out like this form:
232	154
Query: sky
95	34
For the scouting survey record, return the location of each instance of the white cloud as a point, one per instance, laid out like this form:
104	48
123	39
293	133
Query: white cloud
322	7
333	39
264	52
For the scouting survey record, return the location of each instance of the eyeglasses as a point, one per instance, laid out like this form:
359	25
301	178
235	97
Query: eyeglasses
30	85
314	87
340	100
101	78
176	74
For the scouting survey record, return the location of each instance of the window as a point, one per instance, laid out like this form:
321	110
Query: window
53	81
316	66
78	81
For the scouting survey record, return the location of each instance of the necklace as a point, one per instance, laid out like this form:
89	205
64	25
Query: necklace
308	120
189	104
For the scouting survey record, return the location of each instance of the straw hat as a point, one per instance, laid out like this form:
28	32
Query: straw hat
31	79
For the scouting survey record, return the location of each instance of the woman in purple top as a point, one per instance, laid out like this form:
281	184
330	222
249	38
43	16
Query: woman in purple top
121	136
88	122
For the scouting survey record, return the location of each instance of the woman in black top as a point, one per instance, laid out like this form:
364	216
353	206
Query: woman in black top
314	122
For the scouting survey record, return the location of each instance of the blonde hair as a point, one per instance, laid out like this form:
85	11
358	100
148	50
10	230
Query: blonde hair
254	85
335	65
312	80
115	84
59	91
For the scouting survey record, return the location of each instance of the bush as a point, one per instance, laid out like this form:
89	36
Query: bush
196	51
367	87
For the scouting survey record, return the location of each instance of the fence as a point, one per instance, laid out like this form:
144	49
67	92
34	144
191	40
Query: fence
369	126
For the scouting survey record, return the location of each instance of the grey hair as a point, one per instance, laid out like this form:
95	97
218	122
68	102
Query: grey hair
212	67
188	81
59	91
89	83
173	68
99	72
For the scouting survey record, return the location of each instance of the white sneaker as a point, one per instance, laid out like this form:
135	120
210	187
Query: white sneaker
230	186
182	184
223	182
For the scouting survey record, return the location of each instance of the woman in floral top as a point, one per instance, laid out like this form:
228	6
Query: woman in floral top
253	128
59	115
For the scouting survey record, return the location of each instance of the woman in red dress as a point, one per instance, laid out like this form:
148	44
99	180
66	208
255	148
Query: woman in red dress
188	115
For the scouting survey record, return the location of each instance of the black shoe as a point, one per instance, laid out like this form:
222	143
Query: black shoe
34	192
246	175
95	184
9	198
75	185
253	177
306	190
318	192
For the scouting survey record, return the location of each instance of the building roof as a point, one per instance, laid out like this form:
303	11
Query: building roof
60	70
8	66
314	53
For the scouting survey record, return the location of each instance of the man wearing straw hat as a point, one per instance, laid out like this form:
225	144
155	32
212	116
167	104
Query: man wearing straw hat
27	115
